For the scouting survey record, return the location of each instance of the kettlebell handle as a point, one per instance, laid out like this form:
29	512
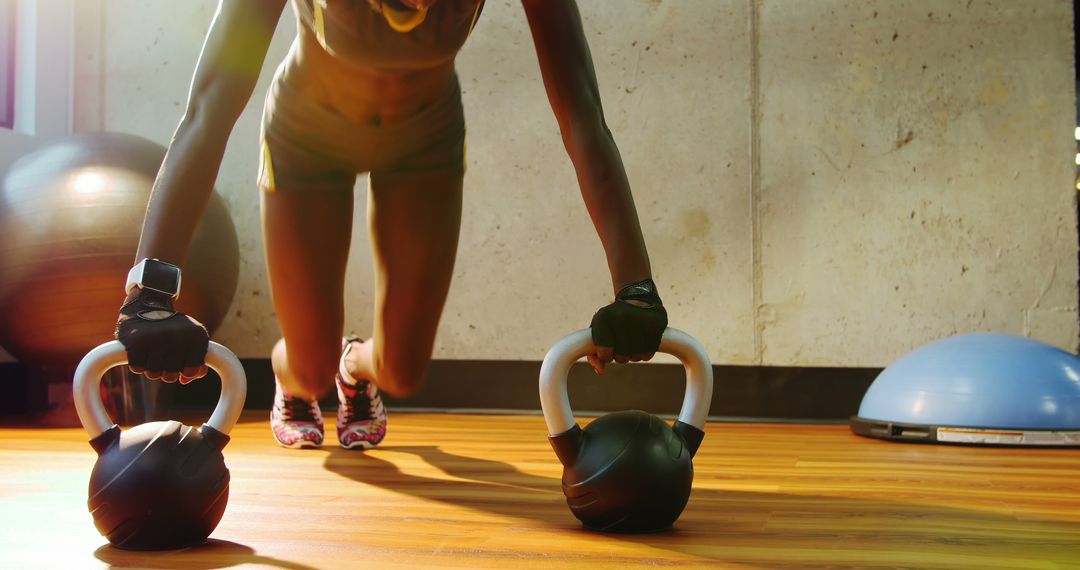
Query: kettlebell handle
553	372
87	387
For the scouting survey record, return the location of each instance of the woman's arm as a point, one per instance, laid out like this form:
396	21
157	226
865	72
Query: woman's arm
570	80
225	76
160	342
629	329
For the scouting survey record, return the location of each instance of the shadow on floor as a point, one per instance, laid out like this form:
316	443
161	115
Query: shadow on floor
737	526
211	555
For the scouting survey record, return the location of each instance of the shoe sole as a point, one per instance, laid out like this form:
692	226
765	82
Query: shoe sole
299	444
364	445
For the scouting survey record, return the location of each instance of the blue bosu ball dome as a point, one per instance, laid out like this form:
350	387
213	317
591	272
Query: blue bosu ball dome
982	388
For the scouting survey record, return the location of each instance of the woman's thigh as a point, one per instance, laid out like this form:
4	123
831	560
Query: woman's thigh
306	237
414	222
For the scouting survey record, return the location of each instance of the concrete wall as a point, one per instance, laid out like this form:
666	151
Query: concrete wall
916	175
827	182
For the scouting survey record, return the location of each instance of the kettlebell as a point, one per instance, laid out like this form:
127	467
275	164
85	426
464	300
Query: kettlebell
626	472
159	485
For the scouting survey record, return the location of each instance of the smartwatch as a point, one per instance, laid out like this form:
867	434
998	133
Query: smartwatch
155	275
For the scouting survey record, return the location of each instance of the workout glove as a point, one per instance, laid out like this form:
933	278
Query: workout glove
633	324
161	342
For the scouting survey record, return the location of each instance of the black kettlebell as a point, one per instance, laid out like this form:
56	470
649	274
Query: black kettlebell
159	485
626	471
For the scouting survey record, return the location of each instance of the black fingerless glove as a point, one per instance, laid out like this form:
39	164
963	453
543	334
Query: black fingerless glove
157	337
634	323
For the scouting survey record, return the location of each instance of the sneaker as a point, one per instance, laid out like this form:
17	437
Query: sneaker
361	418
296	422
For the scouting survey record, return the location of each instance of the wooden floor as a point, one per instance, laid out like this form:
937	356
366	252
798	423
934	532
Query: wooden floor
483	491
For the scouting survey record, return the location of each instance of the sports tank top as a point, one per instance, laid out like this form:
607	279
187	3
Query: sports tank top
353	31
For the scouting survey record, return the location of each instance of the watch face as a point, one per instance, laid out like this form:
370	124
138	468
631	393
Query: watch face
161	276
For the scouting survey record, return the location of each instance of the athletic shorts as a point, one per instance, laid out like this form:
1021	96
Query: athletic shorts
306	146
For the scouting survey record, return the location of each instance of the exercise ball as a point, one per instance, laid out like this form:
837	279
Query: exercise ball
70	217
981	388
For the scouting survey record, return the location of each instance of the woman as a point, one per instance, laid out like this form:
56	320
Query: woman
368	86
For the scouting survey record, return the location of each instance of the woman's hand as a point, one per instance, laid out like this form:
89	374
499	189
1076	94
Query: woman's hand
162	343
629	329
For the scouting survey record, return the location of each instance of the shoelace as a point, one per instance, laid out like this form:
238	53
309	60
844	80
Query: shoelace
359	400
296	409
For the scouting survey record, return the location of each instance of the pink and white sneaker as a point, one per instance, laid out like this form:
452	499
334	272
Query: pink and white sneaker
361	417
296	422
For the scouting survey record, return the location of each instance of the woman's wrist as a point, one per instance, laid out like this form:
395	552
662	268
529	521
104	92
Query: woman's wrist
640	293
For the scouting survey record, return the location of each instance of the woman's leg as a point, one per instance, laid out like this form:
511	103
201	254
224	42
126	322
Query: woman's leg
306	235
413	221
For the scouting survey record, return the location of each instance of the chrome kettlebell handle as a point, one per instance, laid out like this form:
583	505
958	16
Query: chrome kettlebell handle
87	387
553	372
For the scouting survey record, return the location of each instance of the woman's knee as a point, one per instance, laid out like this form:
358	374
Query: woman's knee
315	379
401	376
310	374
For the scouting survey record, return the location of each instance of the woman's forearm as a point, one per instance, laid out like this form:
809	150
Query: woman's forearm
225	76
183	187
570	82
606	192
